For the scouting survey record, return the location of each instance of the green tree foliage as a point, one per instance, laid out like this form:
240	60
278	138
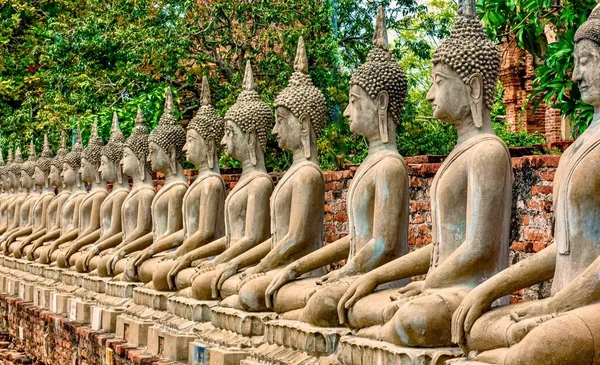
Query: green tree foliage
528	21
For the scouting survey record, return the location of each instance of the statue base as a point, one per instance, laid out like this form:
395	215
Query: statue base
117	295
135	321
96	284
151	298
296	342
361	351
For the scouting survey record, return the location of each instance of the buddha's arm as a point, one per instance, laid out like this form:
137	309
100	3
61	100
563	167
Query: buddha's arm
68	237
110	242
82	242
388	212
210	249
582	291
19	233
16	218
138	244
253	256
143	224
257	221
307	197
46	237
331	253
94	223
487	203
208	220
34	236
166	243
115	226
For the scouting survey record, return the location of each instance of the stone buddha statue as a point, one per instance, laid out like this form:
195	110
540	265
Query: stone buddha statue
41	172
70	212
110	210
565	328
204	200
166	156
377	201
9	193
4	190
88	228
470	205
13	173
26	210
53	166
297	203
136	215
246	210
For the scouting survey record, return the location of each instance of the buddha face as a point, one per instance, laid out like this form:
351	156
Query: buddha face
362	113
108	169
39	177
158	158
235	141
69	175
14	180
195	148
26	180
129	163
55	178
449	95
585	73
287	129
88	170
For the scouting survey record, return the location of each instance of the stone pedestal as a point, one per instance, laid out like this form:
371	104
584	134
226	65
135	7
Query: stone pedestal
96	284
219	356
54	273
172	345
191	309
73	278
360	351
59	302
150	298
133	330
80	310
292	340
121	289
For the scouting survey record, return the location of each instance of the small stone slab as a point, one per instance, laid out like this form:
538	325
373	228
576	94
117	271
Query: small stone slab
361	351
172	345
96	284
121	289
152	298
191	309
241	322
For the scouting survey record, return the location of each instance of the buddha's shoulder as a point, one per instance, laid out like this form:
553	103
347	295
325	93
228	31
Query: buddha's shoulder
489	149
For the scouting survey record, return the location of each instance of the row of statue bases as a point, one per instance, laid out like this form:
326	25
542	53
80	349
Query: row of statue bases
198	276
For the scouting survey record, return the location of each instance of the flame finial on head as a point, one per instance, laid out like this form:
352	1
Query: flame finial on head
248	84
467	8
168	102
18	156
46	151
32	153
9	158
205	92
301	62
380	38
1	158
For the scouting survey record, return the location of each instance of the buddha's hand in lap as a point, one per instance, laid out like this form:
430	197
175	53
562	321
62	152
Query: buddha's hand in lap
411	290
247	278
223	272
470	310
206	265
289	273
182	263
111	263
142	257
359	289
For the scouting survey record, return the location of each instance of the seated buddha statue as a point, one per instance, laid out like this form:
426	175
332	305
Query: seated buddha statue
166	156
31	244
40	174
377	202
70	211
26	211
110	210
88	228
246	210
470	204
136	215
564	328
203	202
13	175
297	203
4	190
10	193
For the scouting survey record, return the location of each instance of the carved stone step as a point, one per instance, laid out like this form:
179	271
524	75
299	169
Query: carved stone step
96	284
361	351
241	322
121	289
191	309
315	341
151	298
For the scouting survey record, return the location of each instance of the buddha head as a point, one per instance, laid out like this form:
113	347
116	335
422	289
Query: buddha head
135	152
377	90
2	173
42	168
6	178
71	169
56	163
465	71
28	168
90	158
166	141
112	153
247	123
587	59
14	170
300	109
204	133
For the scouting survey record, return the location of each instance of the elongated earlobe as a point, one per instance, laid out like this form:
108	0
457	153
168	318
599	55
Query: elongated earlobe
119	174
210	153
476	99
382	107
142	170
252	147
173	160
305	135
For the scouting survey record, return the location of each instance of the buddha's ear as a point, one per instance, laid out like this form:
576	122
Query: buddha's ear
252	142
119	172
142	169
475	86
210	152
305	128
383	100
173	159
